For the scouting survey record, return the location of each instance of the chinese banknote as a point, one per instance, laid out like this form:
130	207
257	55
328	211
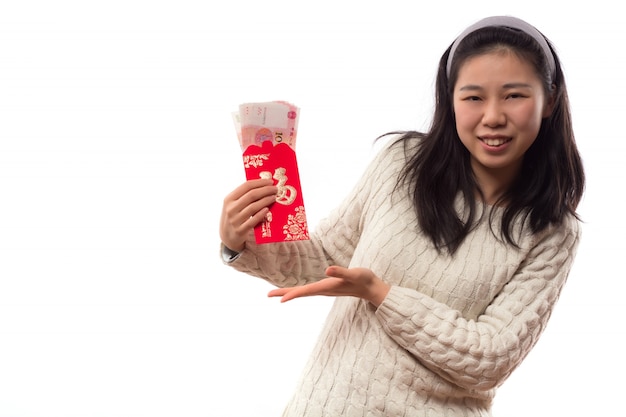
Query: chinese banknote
259	122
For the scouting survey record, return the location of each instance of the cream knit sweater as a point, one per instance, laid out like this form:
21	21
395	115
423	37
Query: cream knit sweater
451	329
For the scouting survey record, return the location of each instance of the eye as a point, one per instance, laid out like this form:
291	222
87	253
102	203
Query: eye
471	98
516	95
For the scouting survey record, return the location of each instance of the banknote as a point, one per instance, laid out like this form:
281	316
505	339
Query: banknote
237	123
256	123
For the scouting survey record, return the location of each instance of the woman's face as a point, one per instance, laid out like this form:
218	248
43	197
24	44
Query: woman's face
499	102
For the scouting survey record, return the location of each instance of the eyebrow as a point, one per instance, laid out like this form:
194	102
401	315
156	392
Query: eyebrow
508	86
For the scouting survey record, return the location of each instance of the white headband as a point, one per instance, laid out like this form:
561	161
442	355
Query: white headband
511	22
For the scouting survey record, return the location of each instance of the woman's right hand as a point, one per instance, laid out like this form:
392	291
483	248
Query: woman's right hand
244	208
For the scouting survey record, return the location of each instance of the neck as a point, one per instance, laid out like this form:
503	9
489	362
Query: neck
494	183
492	195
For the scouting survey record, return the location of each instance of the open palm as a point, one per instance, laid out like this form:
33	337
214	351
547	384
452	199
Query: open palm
355	282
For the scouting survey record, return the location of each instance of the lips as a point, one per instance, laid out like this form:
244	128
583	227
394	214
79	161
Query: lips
495	141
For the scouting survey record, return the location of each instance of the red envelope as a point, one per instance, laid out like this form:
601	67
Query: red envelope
286	220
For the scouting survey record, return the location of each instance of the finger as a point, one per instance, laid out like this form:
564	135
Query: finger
243	209
238	219
251	215
327	286
250	203
265	200
278	292
293	292
247	186
338	272
287	294
239	211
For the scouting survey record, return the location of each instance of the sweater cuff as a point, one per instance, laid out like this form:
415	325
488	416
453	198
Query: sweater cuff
229	255
393	312
390	303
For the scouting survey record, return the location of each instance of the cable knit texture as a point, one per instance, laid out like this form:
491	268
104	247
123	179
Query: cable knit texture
451	329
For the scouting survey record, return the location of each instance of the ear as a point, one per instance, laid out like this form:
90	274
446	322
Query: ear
550	102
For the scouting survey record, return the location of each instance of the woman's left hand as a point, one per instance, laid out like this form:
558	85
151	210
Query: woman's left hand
355	282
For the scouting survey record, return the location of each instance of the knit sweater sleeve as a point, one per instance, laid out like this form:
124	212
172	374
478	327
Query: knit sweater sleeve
480	354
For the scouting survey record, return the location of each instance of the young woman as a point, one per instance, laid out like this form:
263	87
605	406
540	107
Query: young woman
448	256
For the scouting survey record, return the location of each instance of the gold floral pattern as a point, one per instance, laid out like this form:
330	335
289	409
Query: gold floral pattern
296	227
255	160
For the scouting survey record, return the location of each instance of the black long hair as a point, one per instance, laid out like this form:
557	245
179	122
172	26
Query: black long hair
552	179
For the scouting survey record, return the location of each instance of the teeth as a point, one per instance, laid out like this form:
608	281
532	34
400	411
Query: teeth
495	142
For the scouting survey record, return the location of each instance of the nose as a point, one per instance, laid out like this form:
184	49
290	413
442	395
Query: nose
494	114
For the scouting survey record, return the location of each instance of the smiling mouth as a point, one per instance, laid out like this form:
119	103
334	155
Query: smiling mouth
495	142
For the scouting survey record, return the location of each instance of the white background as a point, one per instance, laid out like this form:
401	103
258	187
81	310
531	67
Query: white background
117	149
